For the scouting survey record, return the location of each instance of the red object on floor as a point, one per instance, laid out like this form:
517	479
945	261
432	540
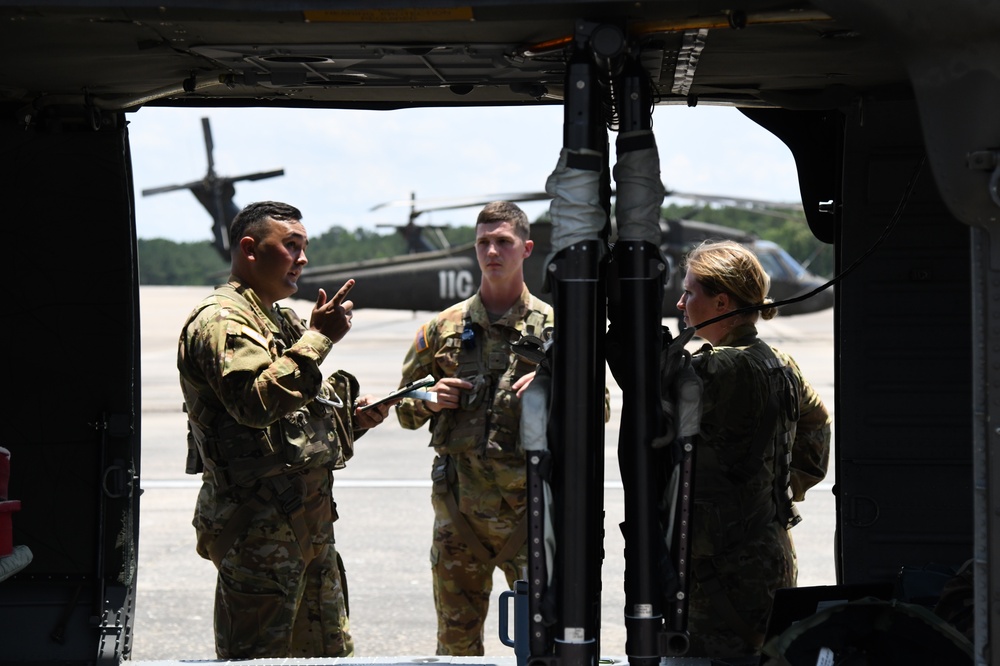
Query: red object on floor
7	507
6	526
4	472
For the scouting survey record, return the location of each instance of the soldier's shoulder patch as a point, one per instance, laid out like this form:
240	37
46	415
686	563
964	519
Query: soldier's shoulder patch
421	340
253	335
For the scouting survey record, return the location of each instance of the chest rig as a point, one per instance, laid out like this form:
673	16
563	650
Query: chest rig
739	500
488	418
783	410
239	456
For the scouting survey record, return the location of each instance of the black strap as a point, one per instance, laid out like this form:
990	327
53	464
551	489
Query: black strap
290	503
443	478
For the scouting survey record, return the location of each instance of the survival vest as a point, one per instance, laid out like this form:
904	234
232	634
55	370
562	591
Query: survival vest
732	505
317	434
489	418
783	408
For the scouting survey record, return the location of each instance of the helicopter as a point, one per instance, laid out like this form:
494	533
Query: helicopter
437	274
884	105
215	192
437	278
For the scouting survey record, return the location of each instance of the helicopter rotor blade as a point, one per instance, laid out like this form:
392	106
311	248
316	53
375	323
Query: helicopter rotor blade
260	175
736	202
418	207
390	225
206	129
171	188
452	203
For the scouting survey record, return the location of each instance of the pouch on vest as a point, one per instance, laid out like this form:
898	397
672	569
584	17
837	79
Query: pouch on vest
248	452
345	386
307	435
317	431
472	398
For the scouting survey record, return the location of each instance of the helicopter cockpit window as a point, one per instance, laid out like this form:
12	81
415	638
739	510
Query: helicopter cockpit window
777	262
771	264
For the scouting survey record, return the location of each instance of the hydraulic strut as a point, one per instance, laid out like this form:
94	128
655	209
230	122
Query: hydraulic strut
635	300
566	607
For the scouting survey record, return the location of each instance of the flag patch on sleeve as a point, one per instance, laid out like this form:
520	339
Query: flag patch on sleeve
421	341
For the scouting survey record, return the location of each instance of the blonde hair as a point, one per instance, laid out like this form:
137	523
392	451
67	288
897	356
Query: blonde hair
730	268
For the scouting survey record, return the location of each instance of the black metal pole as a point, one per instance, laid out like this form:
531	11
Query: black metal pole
576	426
577	407
636	291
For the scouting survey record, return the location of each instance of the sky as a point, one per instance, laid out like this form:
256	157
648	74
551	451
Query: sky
339	164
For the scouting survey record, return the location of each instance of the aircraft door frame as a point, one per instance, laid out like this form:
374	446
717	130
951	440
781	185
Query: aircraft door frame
74	339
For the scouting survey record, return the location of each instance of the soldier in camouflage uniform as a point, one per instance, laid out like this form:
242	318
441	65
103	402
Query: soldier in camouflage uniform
764	441
266	430
479	472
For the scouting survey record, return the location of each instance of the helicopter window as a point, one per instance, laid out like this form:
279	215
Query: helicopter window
777	262
771	265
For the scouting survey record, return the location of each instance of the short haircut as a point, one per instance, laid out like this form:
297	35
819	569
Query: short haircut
251	220
505	211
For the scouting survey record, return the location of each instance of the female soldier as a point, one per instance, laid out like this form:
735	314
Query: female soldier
764	441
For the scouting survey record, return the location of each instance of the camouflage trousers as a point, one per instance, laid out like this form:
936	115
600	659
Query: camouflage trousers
462	582
731	594
270	601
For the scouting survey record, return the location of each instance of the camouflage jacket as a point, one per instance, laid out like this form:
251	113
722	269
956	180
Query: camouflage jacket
484	436
729	503
489	420
257	404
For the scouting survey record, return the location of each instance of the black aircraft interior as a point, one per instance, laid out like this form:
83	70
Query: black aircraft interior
886	106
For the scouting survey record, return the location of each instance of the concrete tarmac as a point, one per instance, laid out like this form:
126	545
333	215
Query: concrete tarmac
383	497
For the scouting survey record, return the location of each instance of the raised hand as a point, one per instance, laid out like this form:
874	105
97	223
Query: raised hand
332	317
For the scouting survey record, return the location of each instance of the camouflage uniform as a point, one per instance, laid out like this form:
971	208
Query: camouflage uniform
741	551
263	431
480	468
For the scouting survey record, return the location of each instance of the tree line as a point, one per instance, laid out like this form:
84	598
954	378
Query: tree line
165	262
789	230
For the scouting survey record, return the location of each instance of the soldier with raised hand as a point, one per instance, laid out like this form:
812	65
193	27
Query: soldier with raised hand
479	473
266	430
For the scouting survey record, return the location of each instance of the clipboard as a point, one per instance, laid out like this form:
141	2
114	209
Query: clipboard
405	391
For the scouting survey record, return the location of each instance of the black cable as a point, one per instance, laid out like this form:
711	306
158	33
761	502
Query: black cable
897	214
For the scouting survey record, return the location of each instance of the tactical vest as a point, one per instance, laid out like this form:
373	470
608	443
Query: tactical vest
783	406
317	434
731	506
488	418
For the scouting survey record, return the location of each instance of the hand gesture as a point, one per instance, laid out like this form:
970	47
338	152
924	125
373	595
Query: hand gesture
333	318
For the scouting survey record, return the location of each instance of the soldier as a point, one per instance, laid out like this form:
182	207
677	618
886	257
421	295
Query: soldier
479	472
266	430
764	441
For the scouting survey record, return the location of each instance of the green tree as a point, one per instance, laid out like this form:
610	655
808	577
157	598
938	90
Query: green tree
166	262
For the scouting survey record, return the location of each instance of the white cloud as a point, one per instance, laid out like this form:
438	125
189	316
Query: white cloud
339	164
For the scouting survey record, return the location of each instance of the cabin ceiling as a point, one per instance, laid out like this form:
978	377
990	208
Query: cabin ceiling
384	55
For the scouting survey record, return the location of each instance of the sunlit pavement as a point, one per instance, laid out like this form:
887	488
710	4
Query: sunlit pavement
383	498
